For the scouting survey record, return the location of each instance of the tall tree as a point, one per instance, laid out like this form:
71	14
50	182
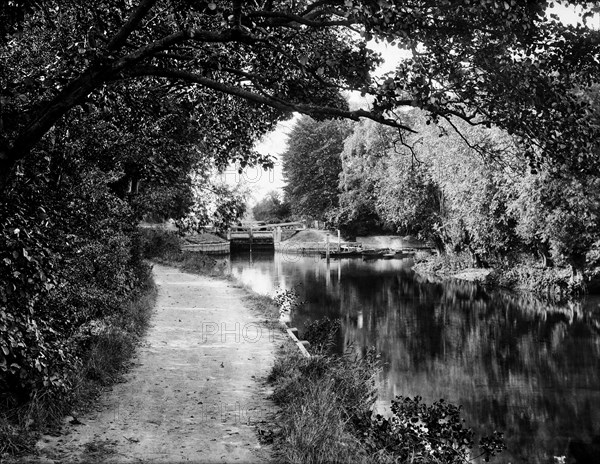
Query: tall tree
312	165
436	184
361	172
559	217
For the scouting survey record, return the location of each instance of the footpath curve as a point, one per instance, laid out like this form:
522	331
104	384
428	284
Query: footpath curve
197	389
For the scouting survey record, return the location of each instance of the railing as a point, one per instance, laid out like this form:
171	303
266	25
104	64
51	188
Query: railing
256	227
246	235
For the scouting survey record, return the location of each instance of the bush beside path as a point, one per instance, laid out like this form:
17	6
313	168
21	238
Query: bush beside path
197	390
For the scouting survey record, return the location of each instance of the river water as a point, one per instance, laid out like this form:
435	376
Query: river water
515	364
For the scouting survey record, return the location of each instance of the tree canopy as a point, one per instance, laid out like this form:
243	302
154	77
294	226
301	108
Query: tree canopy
508	63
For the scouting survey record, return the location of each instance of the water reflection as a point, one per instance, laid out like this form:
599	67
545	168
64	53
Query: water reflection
516	364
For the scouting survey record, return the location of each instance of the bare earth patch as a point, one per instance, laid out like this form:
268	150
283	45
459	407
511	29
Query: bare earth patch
196	392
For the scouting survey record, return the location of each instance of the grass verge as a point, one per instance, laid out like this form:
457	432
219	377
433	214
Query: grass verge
165	248
194	262
106	356
325	402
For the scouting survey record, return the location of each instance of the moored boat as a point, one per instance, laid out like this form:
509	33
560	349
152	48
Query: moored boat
341	254
373	254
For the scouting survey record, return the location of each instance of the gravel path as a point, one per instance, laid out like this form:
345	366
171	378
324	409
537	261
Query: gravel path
196	392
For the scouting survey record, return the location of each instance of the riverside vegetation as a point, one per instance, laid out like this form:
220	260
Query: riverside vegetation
327	415
467	190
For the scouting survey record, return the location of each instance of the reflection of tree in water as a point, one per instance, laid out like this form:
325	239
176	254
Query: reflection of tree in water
515	363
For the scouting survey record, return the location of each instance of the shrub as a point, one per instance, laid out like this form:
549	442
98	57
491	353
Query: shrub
67	258
287	300
433	433
157	243
27	277
327	403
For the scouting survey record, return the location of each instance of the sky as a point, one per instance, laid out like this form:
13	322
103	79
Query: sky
274	143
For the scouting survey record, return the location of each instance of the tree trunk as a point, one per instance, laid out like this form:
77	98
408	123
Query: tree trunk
544	254
578	281
546	260
440	246
475	259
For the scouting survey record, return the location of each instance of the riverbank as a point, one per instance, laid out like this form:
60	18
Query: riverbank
196	391
327	414
521	276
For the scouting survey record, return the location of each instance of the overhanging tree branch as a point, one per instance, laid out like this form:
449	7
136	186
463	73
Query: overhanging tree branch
288	19
282	105
132	22
93	78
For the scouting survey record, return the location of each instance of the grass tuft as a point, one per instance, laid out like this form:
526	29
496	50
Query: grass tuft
324	401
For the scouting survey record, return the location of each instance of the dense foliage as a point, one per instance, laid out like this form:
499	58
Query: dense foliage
471	191
311	166
69	259
465	189
272	208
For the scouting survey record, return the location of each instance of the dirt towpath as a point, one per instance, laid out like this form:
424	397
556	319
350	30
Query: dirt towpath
196	392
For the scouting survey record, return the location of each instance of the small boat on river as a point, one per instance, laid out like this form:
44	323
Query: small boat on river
373	254
341	254
386	254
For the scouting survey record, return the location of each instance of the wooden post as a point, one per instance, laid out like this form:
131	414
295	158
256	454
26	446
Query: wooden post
327	249
250	234
339	241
